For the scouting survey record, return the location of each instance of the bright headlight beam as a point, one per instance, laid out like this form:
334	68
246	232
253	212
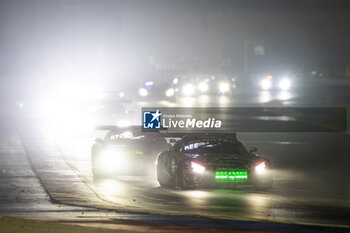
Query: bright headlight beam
203	87
223	87
112	160
265	84
188	90
175	81
143	92
260	168
197	168
284	84
170	92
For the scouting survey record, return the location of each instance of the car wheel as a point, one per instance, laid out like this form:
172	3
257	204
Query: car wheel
162	174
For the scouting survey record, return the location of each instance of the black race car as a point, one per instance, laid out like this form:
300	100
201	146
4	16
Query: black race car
212	160
125	151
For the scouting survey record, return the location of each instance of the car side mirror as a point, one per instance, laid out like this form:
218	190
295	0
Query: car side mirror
253	149
98	140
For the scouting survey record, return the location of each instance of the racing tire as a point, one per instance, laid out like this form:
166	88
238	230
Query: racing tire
162	176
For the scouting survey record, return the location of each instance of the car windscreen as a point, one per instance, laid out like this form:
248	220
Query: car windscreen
215	147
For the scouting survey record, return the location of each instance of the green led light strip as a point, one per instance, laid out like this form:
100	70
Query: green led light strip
231	175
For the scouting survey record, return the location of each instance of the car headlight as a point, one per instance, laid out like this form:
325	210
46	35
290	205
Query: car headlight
260	168
203	87
188	90
223	87
143	92
170	92
284	84
265	84
112	160
197	168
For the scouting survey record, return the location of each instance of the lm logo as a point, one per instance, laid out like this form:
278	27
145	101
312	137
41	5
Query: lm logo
151	120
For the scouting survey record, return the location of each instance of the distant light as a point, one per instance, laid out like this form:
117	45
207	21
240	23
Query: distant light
143	92
175	81
170	92
269	77
284	84
188	90
223	87
265	84
149	84
207	80
20	105
203	87
121	94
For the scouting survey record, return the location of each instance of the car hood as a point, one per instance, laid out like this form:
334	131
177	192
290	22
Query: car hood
217	158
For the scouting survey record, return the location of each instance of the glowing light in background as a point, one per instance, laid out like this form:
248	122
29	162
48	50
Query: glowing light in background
203	87
188	90
170	92
223	88
284	84
143	92
265	84
175	81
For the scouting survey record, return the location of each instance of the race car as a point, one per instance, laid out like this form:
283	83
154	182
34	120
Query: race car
276	82
215	160
206	85
125	151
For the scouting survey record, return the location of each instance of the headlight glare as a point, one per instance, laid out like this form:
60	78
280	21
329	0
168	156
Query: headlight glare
112	159
223	87
143	92
197	168
188	90
260	168
284	84
170	92
265	84
203	87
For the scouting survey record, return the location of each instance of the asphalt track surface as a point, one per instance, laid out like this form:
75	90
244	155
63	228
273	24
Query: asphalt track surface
44	177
